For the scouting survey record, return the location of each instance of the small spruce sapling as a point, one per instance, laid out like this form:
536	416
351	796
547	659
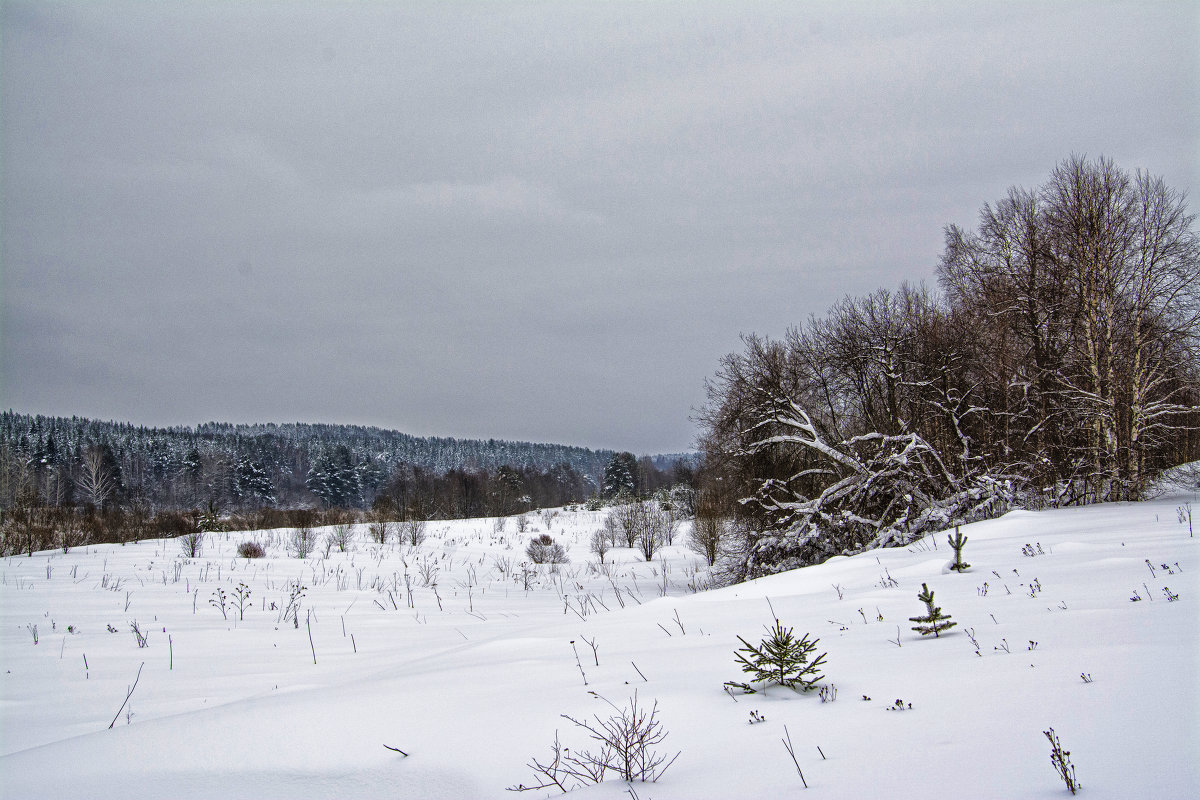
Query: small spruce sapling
958	541
781	659
934	620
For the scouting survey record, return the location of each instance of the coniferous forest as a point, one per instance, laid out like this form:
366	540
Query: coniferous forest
78	480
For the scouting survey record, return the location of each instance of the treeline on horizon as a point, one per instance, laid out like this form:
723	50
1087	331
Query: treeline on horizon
106	481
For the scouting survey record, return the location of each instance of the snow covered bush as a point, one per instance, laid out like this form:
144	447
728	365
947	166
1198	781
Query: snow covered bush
812	442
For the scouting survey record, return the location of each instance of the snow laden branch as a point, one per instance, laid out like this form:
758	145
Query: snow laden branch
849	495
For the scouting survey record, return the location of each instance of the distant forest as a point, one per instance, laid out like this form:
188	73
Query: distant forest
94	466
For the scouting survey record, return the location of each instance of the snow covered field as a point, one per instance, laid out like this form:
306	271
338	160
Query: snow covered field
471	678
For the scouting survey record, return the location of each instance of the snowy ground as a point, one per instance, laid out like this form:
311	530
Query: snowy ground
473	687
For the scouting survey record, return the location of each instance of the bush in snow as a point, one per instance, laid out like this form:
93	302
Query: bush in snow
544	550
251	550
303	540
624	745
191	544
413	531
342	535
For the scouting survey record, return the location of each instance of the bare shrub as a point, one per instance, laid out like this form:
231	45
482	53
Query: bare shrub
600	544
627	523
504	566
191	544
140	636
251	550
612	529
303	540
413	531
544	550
342	535
706	535
427	567
1061	761
656	528
380	530
70	530
624	744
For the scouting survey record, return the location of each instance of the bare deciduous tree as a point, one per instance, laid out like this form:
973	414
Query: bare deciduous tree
342	533
381	529
599	543
1062	364
303	538
412	531
95	481
706	535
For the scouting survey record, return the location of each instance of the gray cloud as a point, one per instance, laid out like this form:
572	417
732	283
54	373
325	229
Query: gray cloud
536	221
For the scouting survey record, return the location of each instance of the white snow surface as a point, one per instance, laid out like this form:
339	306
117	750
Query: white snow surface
229	708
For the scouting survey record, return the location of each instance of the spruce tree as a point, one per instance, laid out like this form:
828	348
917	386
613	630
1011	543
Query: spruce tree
781	658
620	475
958	541
251	483
934	620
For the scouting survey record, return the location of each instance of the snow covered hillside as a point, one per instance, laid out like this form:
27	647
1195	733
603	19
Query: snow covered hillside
468	664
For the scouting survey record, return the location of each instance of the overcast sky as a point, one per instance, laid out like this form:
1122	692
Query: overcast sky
540	221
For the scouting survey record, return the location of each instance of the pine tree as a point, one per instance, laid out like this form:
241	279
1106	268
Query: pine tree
958	542
934	621
781	658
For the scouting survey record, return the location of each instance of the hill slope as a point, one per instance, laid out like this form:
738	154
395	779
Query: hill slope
470	676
